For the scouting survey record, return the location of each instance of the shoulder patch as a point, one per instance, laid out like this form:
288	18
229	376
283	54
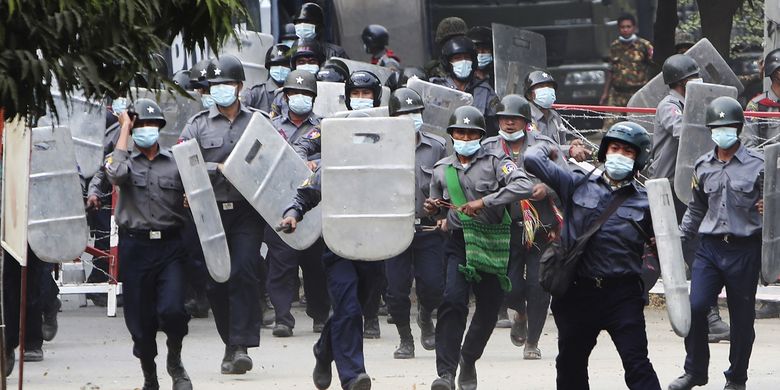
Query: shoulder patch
314	134
508	168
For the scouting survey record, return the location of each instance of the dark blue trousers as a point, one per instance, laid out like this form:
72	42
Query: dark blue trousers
734	265
153	290
454	310
351	284
283	262
37	273
423	261
236	303
195	272
100	226
583	312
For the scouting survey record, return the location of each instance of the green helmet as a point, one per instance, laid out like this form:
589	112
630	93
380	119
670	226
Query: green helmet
724	111
679	67
301	80
226	68
147	109
515	105
467	117
405	101
631	134
450	27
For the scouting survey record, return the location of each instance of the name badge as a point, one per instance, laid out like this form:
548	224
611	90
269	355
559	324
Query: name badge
227	206
155	234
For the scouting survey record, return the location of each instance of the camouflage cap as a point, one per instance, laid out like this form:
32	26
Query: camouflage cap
684	38
450	27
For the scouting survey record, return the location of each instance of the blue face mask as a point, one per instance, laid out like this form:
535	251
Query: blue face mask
417	119
461	69
300	103
207	101
724	137
618	166
483	60
360	103
145	137
466	148
119	105
279	73
511	137
311	68
305	30
288	43
544	97
224	94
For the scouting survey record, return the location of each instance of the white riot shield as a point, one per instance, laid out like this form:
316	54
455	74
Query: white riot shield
670	254
177	110
380	71
696	138
57	227
203	204
254	45
440	102
368	186
770	252
713	69
87	123
267	172
516	52
330	98
15	188
376	112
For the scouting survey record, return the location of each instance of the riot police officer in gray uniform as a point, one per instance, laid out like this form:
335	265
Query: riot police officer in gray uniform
306	55
310	24
277	62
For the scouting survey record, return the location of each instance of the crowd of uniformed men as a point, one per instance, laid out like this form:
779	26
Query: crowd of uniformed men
508	188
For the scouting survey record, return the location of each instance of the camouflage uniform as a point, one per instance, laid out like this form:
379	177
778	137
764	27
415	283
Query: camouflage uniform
759	130
629	64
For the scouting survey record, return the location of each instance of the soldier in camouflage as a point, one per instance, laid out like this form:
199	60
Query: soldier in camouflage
759	130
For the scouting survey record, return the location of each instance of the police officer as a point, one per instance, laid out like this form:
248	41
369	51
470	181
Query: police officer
478	184
607	292
724	212
310	24
277	62
760	131
300	90
306	55
423	261
150	215
333	70
375	40
235	303
362	90
540	89
448	28
199	82
483	41
459	59
535	223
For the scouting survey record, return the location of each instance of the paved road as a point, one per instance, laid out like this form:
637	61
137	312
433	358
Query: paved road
92	351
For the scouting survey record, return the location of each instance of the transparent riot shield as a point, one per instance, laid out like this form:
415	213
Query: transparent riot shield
251	53
203	204
670	254
380	71
330	98
267	172
177	110
516	52
376	112
770	249
368	186
440	102
695	139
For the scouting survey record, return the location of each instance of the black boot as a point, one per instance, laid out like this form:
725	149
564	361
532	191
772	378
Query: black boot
467	379
179	377
427	330
241	360
768	310
503	319
150	374
406	349
49	326
269	315
687	382
719	330
322	375
10	359
444	382
371	328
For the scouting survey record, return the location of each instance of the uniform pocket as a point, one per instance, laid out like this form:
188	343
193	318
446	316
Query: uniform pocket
212	142
138	179
741	194
169	183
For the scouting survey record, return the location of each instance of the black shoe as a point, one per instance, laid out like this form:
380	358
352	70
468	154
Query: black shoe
719	330
49	326
179	377
444	382
241	360
371	328
33	355
768	310
503	319
467	379
734	386
318	326
405	350
10	359
361	382
427	330
519	332
227	361
322	375
282	330
687	382
150	375
267	311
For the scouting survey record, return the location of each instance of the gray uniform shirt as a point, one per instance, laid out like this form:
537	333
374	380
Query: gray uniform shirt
430	149
290	131
491	176
724	195
485	99
260	96
667	127
550	125
151	196
217	137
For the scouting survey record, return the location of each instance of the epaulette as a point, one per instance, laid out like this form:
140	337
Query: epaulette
755	153
434	137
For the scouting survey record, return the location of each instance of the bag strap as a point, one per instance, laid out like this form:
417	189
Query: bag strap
455	190
613	205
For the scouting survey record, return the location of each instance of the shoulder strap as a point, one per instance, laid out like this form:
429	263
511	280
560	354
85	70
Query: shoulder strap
456	191
613	205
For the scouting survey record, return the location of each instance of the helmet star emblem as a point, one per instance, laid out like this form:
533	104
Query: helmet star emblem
203	72
150	109
409	101
545	75
466	120
217	71
722	114
299	80
279	53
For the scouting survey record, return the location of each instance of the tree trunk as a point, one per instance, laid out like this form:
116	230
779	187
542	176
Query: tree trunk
717	17
663	31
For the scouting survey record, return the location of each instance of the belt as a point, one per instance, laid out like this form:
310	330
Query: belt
142	234
625	89
729	238
605	282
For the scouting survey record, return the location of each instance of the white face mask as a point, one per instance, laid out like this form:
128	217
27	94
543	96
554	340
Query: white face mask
511	136
311	68
462	69
360	103
305	30
416	118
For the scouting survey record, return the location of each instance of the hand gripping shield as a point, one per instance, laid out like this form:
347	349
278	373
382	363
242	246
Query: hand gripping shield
381	72
670	254
695	137
440	102
177	110
770	249
254	45
203	204
516	52
368	186
266	171
57	227
87	123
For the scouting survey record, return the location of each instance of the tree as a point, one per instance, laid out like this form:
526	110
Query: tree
97	46
717	18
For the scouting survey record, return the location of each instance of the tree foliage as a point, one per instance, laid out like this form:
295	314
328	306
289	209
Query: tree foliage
97	46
